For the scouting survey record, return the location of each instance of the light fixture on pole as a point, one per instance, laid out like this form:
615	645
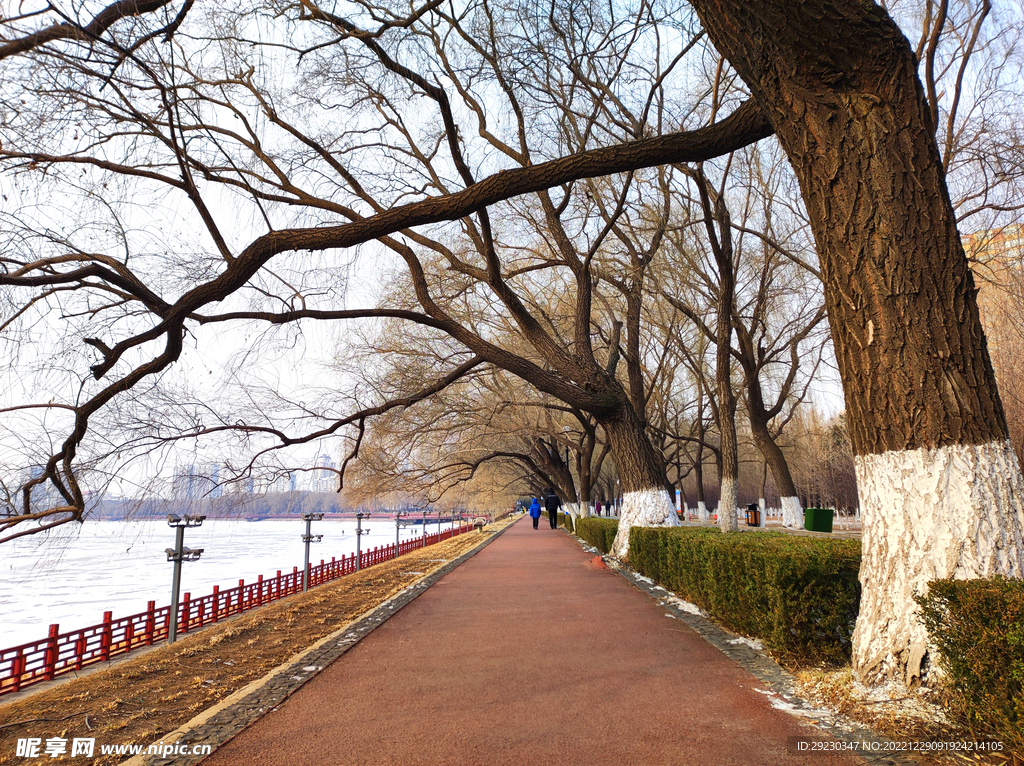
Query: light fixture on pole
399	523
308	538
177	554
360	515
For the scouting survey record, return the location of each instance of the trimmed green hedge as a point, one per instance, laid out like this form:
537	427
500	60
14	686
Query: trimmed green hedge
564	520
598	532
799	595
978	626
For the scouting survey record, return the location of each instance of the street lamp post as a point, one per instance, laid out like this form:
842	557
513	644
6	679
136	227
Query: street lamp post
177	554
360	515
399	523
308	538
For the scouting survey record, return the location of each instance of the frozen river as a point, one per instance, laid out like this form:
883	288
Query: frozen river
71	579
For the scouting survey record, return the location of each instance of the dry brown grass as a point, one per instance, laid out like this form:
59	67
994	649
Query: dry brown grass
140	699
895	711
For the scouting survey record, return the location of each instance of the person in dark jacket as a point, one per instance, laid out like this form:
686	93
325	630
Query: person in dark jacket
535	511
552	504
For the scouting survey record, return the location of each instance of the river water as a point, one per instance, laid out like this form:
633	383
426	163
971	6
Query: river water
72	576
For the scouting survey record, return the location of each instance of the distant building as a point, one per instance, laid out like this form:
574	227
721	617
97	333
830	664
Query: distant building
196	481
285	483
997	260
325	478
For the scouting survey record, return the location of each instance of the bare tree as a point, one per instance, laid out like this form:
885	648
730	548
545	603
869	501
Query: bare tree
836	81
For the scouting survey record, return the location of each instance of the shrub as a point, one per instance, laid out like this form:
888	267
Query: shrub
799	595
565	520
598	532
978	626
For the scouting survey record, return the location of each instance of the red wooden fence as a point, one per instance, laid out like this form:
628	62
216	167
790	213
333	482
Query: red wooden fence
61	653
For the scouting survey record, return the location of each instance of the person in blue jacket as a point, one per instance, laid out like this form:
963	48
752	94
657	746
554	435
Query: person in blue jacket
535	511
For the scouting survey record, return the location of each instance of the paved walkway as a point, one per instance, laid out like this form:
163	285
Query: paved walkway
527	654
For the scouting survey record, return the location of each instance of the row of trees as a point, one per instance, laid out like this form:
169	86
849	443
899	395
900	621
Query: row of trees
585	232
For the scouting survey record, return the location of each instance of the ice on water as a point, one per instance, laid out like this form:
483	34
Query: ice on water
75	574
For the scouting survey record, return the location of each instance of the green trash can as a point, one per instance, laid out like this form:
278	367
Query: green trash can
818	519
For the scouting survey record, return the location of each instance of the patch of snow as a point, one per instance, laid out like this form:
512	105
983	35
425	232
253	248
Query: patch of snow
647	580
779	703
669	614
686	606
753	643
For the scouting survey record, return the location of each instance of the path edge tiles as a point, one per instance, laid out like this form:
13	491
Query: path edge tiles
219	724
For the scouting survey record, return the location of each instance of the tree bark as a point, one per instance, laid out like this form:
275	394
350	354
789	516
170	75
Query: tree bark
941	491
645	498
775	460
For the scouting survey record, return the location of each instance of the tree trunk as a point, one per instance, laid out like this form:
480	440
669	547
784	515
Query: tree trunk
729	465
698	470
645	498
775	461
940	487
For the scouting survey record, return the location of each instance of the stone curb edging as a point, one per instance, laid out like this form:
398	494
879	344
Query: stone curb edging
222	722
779	680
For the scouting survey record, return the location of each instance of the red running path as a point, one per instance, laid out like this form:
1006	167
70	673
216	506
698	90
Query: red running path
527	654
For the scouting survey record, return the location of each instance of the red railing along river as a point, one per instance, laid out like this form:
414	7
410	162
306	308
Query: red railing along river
62	653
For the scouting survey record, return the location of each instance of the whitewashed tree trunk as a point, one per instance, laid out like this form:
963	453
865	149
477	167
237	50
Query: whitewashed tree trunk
792	513
763	518
727	506
649	508
702	511
955	511
573	509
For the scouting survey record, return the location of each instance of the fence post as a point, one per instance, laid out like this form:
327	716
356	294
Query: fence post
216	604
18	670
186	611
79	651
295	580
202	613
129	636
259	590
241	596
150	623
50	657
106	638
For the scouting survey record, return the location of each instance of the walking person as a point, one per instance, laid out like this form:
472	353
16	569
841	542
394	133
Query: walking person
535	511
552	504
597	507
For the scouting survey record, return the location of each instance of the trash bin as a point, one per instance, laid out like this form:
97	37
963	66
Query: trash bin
753	515
818	519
